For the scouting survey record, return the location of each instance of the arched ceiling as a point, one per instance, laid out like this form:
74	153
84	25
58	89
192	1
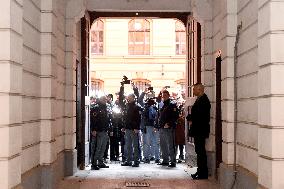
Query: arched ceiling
139	5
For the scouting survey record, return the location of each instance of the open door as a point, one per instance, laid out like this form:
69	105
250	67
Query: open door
193	54
83	106
218	119
193	63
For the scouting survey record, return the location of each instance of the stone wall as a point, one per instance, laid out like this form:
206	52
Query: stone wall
260	96
270	41
11	91
37	126
31	82
38	52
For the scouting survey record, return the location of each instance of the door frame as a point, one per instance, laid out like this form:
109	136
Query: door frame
83	107
218	117
185	17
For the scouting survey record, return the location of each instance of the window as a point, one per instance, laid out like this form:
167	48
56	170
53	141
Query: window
141	84
180	38
194	55
180	84
139	37
97	38
97	86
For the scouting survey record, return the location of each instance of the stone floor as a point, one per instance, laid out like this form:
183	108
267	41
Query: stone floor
149	176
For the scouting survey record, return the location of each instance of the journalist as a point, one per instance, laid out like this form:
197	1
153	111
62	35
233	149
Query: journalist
131	128
100	126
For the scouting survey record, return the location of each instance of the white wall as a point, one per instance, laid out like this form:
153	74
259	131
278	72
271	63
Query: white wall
247	136
260	76
37	122
31	82
11	37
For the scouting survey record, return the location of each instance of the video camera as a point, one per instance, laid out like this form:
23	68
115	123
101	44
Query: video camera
150	101
125	80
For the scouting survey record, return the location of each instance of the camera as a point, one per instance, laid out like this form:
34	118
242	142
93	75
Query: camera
150	101
125	80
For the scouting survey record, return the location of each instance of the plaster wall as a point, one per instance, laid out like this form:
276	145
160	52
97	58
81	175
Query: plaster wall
38	64
37	123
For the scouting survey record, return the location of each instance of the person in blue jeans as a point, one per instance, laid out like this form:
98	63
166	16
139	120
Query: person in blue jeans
131	128
167	123
151	136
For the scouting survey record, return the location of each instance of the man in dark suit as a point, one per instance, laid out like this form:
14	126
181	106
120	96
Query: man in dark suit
200	128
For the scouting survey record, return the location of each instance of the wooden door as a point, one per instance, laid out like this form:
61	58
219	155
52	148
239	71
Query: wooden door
193	66
83	129
193	54
218	119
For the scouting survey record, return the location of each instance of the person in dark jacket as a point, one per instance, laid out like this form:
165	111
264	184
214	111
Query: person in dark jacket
131	127
200	128
180	135
100	126
150	142
167	124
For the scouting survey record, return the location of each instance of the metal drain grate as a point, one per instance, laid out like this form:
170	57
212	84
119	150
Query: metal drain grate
137	184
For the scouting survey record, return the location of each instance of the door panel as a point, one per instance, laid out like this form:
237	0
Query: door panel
87	84
193	66
193	54
84	80
218	121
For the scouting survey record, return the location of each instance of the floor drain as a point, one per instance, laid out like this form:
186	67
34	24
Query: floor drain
137	184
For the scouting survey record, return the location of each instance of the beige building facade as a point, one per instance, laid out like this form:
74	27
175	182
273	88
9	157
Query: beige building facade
163	64
41	47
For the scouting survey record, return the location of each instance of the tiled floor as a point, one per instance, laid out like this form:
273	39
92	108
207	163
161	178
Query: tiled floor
157	177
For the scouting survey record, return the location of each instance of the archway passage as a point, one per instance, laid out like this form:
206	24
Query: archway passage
193	29
83	138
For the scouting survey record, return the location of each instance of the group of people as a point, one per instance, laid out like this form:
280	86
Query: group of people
161	122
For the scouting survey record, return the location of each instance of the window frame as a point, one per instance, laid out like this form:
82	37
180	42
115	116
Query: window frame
146	32
179	44
98	42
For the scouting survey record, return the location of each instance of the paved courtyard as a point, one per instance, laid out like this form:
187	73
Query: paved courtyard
149	176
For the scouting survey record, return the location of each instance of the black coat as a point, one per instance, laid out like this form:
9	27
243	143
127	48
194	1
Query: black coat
132	117
168	114
100	118
200	117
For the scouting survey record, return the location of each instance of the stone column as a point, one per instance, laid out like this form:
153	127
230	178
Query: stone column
48	83
207	69
70	96
227	37
11	69
75	10
271	94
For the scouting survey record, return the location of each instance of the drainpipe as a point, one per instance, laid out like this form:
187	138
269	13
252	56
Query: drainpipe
236	102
